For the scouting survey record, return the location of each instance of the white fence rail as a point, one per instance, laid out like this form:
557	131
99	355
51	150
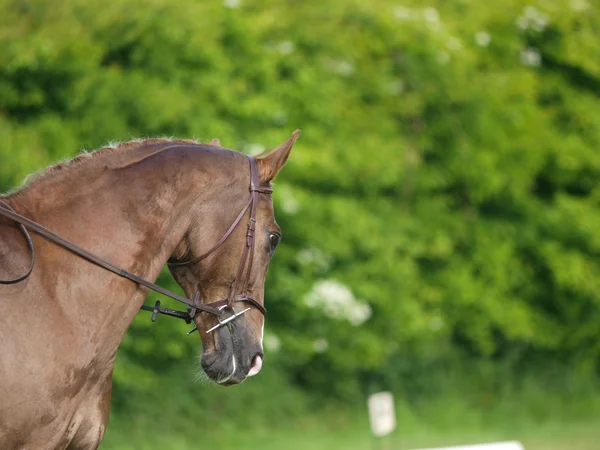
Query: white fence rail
512	445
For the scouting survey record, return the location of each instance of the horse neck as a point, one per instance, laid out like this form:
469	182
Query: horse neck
133	217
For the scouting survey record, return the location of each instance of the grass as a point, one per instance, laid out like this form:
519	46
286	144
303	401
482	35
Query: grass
165	409
168	411
355	436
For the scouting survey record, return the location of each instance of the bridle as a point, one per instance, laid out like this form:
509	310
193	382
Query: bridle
222	309
247	254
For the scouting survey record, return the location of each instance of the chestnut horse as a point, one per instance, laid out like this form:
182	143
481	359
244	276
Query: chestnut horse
137	205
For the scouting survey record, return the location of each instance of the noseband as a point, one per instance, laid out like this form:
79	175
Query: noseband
220	308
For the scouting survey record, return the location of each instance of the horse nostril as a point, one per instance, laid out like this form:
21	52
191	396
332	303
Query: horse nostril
256	366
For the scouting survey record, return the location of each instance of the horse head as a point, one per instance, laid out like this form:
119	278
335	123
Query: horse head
223	258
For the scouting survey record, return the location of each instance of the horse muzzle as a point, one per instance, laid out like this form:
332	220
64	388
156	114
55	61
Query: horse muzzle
231	360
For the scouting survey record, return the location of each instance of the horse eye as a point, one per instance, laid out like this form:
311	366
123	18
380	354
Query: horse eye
274	239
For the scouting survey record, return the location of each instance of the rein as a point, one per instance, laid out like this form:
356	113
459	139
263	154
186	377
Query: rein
217	308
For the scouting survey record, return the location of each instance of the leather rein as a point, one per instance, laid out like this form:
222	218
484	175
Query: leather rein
219	308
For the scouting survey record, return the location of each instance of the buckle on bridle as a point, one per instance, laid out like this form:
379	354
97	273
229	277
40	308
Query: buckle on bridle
192	310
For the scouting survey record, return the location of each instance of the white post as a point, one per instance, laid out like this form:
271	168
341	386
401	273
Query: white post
381	414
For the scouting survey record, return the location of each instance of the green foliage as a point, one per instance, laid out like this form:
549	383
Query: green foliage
445	177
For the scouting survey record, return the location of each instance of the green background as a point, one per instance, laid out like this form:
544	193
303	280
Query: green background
444	186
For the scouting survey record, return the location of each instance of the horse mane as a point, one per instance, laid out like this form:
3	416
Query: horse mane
126	151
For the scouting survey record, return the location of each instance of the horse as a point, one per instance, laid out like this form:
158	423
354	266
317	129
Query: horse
135	206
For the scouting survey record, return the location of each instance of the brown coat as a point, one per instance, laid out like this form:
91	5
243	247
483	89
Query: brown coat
136	205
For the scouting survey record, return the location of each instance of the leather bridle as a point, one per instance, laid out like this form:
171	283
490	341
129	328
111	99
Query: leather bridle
247	253
223	309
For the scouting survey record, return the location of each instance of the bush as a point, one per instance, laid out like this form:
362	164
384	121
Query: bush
444	186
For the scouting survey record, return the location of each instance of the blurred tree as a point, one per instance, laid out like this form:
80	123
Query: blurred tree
442	199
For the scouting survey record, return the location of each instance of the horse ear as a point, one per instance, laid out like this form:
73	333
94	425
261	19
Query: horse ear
215	142
270	164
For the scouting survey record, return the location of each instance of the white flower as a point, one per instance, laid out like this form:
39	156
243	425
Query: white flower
280	117
395	87
271	342
305	256
289	203
539	23
453	43
337	302
403	13
443	57
285	47
436	323
431	15
320	345
232	3
531	57
532	18
483	38
359	314
522	22
340	66
313	256
579	5
254	149
345	68
530	11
